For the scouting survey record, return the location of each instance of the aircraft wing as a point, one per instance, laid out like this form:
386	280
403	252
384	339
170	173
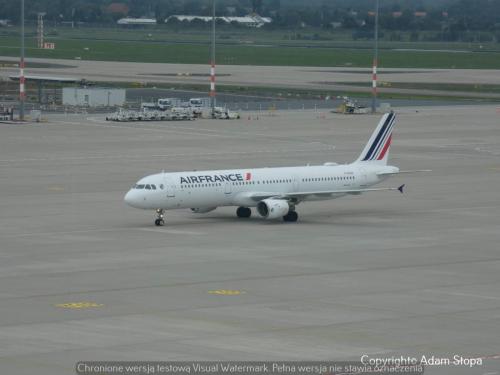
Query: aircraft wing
302	195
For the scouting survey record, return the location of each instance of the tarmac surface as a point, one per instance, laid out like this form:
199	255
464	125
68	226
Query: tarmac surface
262	76
84	277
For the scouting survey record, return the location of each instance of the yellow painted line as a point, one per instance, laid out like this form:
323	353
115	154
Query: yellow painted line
496	169
225	292
79	305
56	188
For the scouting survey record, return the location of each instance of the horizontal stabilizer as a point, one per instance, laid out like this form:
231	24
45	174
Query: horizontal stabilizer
400	172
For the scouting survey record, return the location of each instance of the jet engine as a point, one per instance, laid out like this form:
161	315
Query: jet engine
202	210
273	208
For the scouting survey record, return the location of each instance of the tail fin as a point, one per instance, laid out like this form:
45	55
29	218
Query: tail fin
377	148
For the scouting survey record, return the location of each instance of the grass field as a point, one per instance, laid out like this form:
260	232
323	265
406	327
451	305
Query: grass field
464	87
280	93
251	48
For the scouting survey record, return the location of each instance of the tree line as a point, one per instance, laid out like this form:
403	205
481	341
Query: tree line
450	17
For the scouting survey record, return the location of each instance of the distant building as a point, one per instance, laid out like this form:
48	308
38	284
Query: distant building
249	21
231	10
117	8
136	21
5	23
93	97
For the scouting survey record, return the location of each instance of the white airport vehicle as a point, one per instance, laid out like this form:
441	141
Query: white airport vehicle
165	104
225	114
199	102
181	113
162	104
148	106
196	105
175	113
275	192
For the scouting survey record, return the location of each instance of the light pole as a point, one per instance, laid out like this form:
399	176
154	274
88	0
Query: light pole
375	60
22	94
212	63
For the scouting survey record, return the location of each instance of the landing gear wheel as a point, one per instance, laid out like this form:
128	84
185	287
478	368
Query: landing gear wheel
291	217
159	218
243	212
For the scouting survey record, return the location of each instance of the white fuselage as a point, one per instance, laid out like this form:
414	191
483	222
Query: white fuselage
211	189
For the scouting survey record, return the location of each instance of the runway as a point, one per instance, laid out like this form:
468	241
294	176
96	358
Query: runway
333	79
84	277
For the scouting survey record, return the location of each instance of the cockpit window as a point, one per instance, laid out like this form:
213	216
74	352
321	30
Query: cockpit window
139	186
153	187
148	187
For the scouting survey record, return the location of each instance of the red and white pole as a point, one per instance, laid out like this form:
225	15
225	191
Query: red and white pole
212	66
374	79
375	60
22	88
22	93
212	80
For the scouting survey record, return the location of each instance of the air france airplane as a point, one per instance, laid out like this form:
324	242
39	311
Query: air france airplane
274	192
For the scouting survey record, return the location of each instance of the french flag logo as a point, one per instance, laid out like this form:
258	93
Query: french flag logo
248	176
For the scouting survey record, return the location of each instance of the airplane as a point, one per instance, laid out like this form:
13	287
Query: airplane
274	192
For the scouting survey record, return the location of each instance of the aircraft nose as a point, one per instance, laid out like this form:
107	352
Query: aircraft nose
132	198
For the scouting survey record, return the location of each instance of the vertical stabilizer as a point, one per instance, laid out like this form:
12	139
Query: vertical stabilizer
377	148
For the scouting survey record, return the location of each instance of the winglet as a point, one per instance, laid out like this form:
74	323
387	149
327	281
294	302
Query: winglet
401	188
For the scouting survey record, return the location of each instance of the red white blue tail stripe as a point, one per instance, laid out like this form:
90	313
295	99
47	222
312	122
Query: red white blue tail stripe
380	141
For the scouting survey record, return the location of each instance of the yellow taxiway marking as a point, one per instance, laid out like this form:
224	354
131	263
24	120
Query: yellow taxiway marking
56	188
79	305
225	292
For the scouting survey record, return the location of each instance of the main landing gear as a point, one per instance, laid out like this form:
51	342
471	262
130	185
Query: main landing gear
159	218
291	217
243	212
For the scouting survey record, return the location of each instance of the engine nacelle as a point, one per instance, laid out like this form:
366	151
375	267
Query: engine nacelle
202	210
273	208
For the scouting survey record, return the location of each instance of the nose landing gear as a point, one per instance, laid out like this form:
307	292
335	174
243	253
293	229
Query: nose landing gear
159	218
